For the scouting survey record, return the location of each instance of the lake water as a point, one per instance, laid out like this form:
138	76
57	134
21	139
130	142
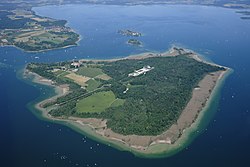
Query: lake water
217	33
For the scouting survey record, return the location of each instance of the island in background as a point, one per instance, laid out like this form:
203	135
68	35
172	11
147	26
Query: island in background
134	42
22	28
147	104
134	34
129	33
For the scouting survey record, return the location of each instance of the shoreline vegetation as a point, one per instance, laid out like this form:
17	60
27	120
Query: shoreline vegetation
172	140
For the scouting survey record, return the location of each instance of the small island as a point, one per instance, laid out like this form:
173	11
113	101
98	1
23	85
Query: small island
22	28
147	104
134	42
246	14
129	33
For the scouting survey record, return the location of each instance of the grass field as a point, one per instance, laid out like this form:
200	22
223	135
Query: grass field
50	37
92	84
80	80
103	77
118	102
90	72
97	102
61	73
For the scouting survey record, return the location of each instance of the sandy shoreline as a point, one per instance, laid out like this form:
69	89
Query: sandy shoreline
170	52
169	141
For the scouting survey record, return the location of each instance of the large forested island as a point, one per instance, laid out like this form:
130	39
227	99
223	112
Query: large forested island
143	103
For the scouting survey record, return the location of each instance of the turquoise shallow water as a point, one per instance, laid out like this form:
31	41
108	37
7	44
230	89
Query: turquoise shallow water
217	33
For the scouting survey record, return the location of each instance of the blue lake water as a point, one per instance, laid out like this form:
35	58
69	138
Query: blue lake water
217	33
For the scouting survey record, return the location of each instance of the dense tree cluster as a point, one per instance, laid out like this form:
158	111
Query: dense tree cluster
64	110
155	100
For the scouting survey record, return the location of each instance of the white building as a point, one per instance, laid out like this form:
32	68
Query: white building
76	64
143	70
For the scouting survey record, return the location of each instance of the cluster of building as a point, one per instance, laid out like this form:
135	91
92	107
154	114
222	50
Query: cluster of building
141	71
58	29
76	64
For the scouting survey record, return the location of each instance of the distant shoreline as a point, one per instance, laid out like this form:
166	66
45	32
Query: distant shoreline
45	50
168	142
76	40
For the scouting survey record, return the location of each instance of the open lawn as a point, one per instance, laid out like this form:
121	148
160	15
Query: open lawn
92	84
60	73
80	80
90	72
97	102
40	37
103	77
50	37
118	102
